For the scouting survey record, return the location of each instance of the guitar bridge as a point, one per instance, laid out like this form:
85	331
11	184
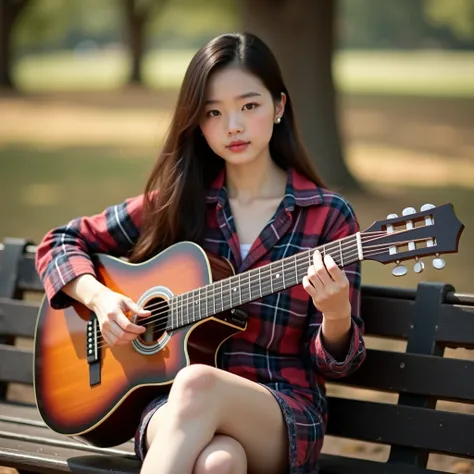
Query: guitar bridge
92	350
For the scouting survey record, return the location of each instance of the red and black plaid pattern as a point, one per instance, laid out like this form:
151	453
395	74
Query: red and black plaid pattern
281	348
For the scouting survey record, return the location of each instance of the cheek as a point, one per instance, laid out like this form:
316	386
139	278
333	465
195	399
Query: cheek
262	126
209	130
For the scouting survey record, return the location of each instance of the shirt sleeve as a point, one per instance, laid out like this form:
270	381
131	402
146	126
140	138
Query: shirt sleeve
65	252
343	225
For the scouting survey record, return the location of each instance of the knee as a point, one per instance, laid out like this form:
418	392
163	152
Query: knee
223	455
192	390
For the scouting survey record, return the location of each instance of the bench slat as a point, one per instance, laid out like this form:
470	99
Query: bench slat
17	318
387	317
416	374
331	464
15	425
434	430
39	457
28	278
24	411
456	326
17	365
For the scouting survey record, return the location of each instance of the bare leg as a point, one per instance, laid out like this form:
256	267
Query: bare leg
223	455
205	401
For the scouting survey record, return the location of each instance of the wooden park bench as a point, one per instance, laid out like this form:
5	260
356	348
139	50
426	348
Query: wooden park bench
429	319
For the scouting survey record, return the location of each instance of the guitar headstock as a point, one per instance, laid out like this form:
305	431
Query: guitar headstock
432	231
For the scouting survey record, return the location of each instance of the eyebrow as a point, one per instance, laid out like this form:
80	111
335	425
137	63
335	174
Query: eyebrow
239	97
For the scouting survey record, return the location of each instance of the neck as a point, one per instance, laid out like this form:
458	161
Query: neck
261	178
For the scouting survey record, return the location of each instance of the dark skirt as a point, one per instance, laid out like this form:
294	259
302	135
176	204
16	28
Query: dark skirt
305	428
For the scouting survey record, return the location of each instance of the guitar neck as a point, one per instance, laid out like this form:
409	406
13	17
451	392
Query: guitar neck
251	285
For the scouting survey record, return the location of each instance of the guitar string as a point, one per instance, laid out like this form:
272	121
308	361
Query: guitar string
155	316
259	274
301	266
268	271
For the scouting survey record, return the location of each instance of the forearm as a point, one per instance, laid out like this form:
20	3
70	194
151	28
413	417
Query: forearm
336	331
84	289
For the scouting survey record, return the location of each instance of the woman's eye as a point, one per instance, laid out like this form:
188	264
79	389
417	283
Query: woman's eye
250	106
212	113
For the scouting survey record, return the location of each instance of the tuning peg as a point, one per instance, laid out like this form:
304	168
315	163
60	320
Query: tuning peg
419	266
427	207
399	270
438	263
408	210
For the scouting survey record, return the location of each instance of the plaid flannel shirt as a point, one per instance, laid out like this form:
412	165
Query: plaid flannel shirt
282	345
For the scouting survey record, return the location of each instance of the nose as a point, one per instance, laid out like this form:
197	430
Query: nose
234	125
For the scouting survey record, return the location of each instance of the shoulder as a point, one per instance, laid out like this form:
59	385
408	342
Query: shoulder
336	205
307	194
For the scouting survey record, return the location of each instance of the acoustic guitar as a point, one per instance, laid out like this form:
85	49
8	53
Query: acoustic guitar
85	388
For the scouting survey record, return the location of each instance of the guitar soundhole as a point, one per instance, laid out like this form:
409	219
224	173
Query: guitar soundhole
157	322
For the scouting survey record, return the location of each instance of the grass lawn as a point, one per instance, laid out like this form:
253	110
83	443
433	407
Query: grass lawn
425	73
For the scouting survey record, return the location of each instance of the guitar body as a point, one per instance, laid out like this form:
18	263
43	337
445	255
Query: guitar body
107	413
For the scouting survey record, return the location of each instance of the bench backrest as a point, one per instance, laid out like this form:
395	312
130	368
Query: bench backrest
428	319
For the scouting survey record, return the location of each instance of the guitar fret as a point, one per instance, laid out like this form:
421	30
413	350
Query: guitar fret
240	291
296	270
214	301
177	308
250	287
222	297
202	301
271	277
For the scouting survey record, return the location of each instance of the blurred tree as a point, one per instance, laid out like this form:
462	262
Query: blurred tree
59	25
10	11
137	14
374	24
302	35
458	15
406	24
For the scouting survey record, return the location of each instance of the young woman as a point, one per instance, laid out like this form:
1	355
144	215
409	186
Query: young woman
234	178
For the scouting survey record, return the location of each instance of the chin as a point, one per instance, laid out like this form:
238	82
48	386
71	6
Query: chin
240	160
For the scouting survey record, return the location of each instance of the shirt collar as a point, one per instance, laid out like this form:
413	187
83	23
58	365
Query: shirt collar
300	191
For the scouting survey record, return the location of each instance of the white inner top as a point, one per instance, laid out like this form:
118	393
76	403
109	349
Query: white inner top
244	250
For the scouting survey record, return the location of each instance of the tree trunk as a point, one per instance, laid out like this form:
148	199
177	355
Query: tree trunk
9	13
135	22
301	34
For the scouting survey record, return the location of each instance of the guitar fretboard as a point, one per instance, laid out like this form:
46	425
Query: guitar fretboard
251	285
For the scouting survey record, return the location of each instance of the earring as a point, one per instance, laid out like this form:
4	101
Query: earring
278	120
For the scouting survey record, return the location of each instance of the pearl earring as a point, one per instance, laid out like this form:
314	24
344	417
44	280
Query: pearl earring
278	120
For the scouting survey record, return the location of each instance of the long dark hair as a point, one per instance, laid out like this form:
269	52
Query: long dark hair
187	166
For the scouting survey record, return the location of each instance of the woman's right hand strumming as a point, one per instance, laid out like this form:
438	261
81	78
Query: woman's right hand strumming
109	307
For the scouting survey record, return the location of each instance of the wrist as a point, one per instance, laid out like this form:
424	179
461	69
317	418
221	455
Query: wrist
335	336
339	315
336	331
93	297
87	290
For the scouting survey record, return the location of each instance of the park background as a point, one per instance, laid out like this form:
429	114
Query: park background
384	93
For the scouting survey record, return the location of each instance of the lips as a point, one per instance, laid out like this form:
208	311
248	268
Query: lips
238	145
